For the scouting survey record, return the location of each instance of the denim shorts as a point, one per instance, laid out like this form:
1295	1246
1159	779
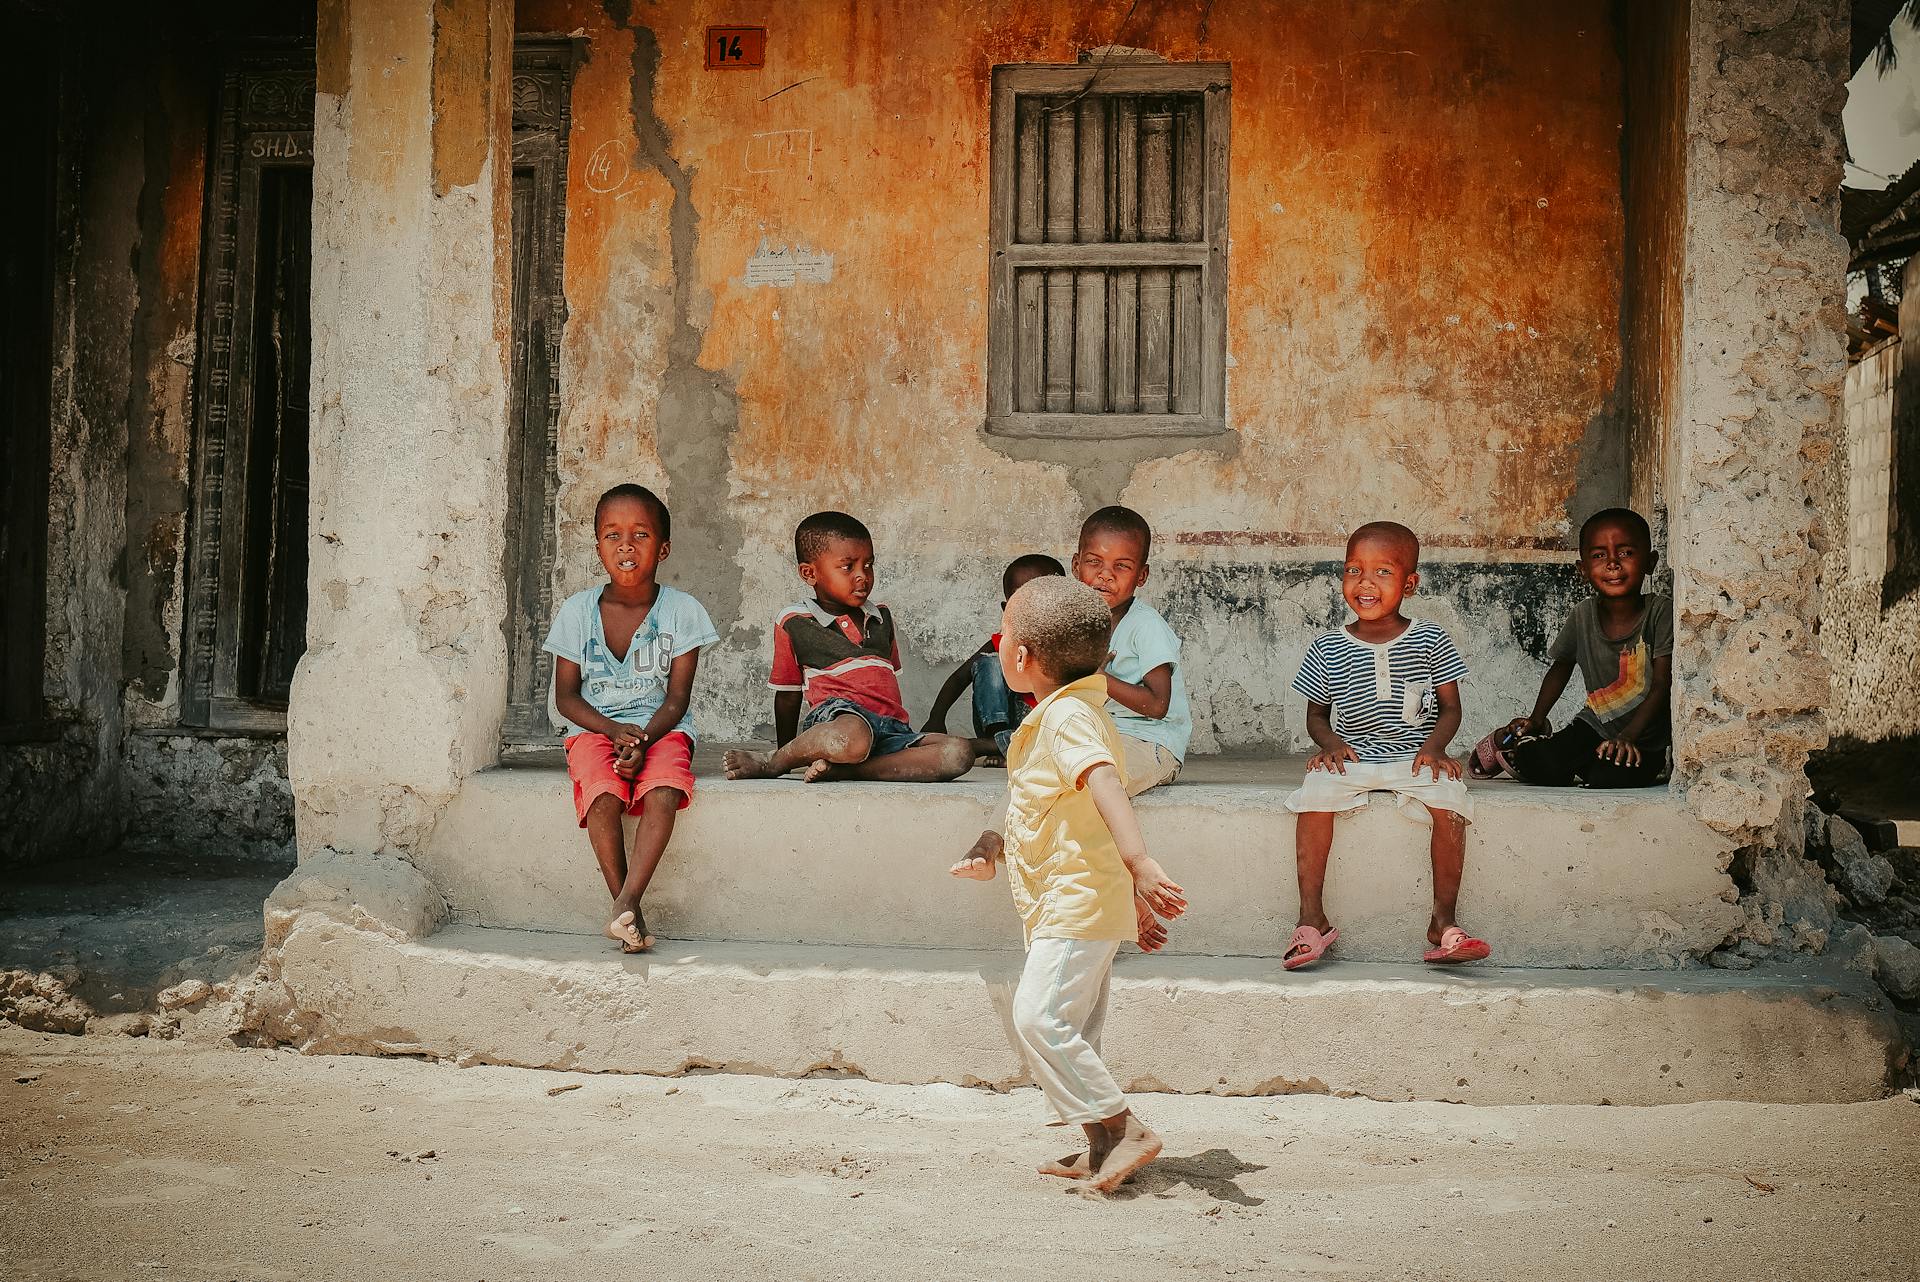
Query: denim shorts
889	735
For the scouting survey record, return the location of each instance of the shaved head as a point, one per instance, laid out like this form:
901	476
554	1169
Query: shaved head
1389	534
1065	624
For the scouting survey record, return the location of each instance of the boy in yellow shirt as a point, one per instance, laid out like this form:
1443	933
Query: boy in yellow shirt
1082	881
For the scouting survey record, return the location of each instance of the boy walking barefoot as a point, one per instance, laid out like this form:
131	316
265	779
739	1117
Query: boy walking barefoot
624	657
1081	879
1622	641
840	656
1383	702
996	710
1146	692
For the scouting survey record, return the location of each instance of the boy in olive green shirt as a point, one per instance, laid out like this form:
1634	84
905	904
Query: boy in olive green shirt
1082	881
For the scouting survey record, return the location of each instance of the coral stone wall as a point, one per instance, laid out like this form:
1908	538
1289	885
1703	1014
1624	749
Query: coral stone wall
1763	363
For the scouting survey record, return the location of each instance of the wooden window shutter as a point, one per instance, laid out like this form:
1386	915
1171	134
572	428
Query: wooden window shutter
1107	283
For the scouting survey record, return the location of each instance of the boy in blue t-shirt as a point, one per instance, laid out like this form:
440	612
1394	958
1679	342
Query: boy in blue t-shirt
1383	703
1146	692
624	656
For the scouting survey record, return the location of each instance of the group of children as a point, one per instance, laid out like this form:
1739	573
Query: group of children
1082	696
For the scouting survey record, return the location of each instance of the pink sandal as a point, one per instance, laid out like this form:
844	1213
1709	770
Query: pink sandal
1456	945
1313	941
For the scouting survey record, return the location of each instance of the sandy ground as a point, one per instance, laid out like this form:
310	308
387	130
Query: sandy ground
127	1158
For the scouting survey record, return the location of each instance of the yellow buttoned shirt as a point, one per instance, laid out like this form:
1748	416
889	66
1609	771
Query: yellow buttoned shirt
1067	876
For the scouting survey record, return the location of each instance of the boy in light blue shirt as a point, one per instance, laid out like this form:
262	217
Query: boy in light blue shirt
1146	691
624	656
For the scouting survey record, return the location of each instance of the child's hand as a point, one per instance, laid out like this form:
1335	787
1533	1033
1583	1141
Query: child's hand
627	760
1437	761
1620	751
626	736
1151	932
1158	891
1333	760
978	863
1525	726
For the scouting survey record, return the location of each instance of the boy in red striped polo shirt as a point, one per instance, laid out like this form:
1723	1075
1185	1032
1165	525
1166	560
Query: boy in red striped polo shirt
837	657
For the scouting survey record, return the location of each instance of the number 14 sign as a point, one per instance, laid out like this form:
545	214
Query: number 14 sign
736	48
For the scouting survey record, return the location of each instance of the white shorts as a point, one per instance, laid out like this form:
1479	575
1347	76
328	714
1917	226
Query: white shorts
1329	790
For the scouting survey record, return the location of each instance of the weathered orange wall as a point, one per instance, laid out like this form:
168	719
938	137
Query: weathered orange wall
1424	297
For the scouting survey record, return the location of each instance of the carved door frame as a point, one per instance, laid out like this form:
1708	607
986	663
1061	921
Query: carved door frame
543	70
263	118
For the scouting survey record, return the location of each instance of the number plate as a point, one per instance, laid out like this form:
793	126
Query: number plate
736	48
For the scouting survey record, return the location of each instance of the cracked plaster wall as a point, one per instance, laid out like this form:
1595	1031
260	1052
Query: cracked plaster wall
402	687
1425	324
61	793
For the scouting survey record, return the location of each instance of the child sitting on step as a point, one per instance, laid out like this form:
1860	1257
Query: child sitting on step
997	711
1383	702
1081	879
841	657
1622	641
624	657
1146	690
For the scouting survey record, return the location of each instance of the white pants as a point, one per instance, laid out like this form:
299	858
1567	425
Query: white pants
1058	1012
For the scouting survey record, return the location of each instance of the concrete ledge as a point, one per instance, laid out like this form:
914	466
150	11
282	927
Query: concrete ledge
1190	1025
1555	877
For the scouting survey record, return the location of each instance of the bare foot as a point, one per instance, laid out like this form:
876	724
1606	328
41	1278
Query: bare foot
1133	1150
1074	1166
625	931
978	863
816	771
742	763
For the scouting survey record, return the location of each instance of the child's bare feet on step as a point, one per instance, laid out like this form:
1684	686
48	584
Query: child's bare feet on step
1133	1147
816	771
978	863
629	930
743	763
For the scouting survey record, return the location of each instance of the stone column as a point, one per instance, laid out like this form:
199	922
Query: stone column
403	686
1761	371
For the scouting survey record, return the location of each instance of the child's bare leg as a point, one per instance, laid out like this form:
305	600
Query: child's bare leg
658	810
1449	851
937	758
844	739
610	852
986	752
1117	1148
1312	844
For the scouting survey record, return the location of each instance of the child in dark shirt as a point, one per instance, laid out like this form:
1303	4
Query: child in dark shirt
997	711
1622	641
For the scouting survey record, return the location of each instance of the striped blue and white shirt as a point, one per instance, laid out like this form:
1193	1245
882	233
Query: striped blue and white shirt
1383	697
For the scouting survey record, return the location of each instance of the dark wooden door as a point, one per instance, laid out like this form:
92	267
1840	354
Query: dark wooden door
542	89
29	91
247	586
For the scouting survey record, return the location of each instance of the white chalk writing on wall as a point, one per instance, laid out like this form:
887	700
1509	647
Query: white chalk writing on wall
780	151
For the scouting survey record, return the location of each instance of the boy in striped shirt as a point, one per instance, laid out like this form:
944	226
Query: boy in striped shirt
837	655
1383	703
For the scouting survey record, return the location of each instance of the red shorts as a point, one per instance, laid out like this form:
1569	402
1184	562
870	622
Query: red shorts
590	758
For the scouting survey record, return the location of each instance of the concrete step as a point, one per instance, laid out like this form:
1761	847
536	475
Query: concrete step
1555	877
1231	1026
